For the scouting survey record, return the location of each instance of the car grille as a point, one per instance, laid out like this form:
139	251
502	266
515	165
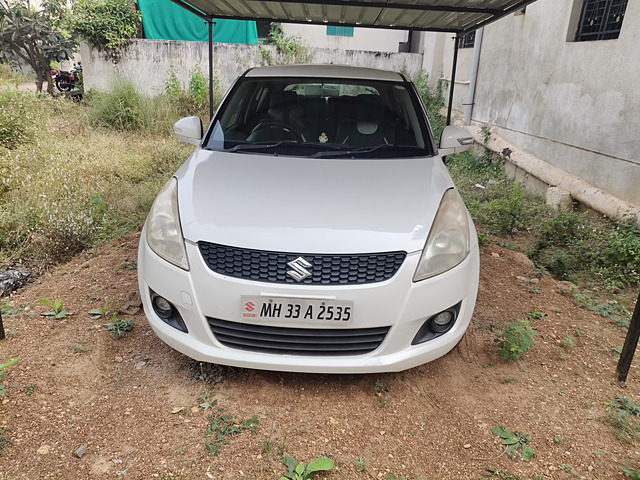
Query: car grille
271	267
297	341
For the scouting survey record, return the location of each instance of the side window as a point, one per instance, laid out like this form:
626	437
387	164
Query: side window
597	19
468	40
339	31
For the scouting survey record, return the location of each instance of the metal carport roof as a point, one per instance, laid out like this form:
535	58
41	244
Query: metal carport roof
458	16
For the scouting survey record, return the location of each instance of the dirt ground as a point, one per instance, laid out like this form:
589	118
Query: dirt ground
135	403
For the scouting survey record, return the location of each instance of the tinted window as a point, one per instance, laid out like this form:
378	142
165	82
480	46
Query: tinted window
307	117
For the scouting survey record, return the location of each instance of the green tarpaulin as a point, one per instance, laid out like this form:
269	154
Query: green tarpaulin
164	20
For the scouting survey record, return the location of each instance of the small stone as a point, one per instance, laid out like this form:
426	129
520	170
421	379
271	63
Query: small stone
495	255
80	451
119	359
139	365
466	445
523	260
195	409
44	450
5	401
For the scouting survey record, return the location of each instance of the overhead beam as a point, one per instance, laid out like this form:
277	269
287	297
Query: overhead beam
187	6
392	6
338	24
503	13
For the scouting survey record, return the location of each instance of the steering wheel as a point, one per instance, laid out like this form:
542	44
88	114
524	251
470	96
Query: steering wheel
273	130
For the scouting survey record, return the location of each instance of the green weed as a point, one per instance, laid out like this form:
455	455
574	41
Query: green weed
515	442
630	473
616	313
300	471
623	415
222	427
361	464
58	312
8	310
517	338
5	440
98	313
569	469
3	388
492	472
568	342
118	328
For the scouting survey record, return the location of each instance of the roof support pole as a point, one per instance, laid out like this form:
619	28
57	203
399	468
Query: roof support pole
630	344
468	109
453	78
210	24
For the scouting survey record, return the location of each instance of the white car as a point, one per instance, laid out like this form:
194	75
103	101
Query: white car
314	229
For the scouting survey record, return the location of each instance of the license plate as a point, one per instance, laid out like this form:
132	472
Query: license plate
303	309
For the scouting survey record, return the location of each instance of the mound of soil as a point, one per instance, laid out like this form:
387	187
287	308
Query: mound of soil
143	410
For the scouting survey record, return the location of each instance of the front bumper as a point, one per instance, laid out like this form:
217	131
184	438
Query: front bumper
398	303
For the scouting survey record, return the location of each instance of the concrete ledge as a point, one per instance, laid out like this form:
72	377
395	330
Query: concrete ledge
582	191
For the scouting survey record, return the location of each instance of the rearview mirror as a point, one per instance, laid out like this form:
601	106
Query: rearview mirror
455	140
189	130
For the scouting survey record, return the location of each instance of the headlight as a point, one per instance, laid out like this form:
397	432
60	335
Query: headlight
448	243
164	234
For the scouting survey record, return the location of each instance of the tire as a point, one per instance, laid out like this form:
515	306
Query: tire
64	86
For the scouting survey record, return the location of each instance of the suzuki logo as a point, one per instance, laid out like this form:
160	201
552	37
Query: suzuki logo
249	306
299	269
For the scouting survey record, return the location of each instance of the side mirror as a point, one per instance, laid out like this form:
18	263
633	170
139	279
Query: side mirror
455	140
189	130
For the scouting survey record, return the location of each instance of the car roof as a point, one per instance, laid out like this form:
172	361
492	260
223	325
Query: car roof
325	71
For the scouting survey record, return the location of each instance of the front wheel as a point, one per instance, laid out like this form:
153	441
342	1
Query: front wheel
63	86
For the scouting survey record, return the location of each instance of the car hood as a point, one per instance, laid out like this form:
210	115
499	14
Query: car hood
307	205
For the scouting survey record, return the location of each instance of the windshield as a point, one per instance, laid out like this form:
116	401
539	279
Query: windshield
329	118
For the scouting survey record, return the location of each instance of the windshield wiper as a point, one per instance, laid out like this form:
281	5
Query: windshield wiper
243	147
261	146
355	152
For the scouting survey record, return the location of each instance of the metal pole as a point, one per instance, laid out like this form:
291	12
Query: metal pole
630	344
477	47
453	78
2	335
210	22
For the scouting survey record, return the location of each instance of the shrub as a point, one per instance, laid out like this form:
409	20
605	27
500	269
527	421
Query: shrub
17	118
517	338
291	49
121	109
106	25
433	100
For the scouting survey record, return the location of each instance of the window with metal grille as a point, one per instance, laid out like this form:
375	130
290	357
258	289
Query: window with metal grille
339	31
601	20
468	40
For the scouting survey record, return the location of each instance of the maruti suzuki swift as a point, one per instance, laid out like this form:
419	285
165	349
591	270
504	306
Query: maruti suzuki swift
315	228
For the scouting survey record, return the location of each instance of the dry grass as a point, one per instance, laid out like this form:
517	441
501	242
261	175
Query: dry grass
71	185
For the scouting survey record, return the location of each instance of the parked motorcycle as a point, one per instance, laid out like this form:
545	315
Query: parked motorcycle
67	81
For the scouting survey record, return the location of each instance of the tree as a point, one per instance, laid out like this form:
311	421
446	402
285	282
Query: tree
34	36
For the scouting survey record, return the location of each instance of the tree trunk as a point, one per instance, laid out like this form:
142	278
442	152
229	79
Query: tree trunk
49	80
2	335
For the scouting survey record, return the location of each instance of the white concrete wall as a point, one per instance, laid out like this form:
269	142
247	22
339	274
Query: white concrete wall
573	104
147	62
368	39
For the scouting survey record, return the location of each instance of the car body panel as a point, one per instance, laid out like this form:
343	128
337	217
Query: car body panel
327	205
